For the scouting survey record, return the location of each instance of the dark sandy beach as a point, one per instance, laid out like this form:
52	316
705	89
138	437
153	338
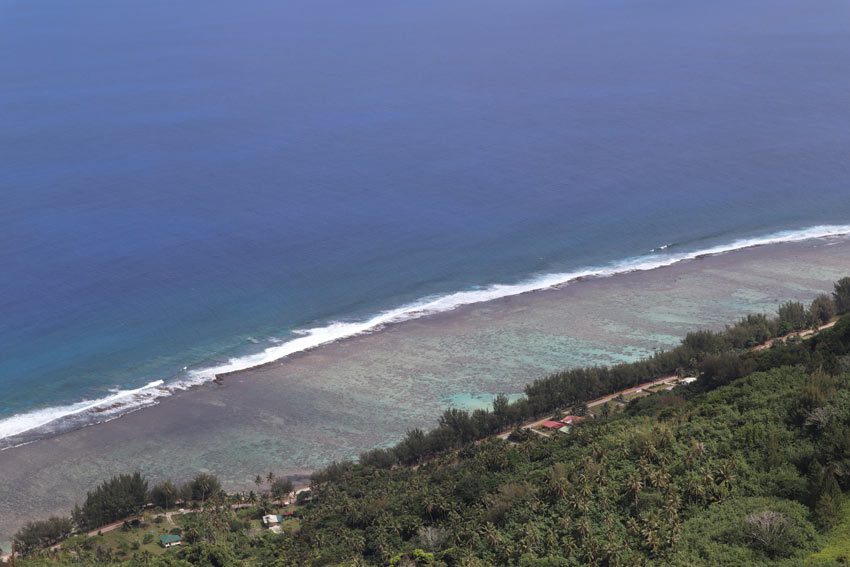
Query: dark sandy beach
335	401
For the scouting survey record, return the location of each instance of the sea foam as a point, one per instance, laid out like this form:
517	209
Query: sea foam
311	338
116	403
25	427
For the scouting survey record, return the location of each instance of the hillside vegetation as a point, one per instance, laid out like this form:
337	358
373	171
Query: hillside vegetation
747	466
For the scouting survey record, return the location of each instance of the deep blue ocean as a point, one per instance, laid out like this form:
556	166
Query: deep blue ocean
186	182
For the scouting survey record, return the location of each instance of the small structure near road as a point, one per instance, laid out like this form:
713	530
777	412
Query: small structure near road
270	520
170	540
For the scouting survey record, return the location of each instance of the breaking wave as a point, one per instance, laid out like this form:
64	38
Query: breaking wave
24	428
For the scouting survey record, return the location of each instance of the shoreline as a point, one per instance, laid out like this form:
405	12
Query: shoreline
87	413
332	402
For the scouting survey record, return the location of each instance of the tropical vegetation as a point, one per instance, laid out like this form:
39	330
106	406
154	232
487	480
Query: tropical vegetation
749	465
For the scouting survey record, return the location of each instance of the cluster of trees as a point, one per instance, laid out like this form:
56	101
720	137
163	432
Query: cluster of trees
115	499
278	487
713	354
792	316
44	533
112	500
203	487
745	473
127	495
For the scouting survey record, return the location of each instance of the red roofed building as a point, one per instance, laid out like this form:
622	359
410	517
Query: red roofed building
553	424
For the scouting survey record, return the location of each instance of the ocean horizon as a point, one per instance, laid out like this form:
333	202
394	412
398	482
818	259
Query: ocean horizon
196	189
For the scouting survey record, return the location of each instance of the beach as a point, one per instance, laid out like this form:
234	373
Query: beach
332	402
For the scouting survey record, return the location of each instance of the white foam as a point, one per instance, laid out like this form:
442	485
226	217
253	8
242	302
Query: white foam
312	338
122	401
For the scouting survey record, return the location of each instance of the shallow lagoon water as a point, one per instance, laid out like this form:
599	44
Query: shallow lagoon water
338	400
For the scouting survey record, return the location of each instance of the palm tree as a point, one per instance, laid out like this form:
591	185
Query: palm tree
696	452
635	486
204	487
169	491
265	504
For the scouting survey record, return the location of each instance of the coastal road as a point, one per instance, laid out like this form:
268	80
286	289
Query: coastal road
604	399
674	378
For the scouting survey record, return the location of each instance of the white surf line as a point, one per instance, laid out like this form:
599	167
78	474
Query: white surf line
306	339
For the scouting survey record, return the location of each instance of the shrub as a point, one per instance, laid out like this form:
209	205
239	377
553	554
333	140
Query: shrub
520	434
822	309
378	458
841	296
747	531
792	316
768	531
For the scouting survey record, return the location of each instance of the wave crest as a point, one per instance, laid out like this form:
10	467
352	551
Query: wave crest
57	419
23	428
311	338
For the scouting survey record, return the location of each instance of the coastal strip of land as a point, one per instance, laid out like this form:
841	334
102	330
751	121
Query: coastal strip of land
336	401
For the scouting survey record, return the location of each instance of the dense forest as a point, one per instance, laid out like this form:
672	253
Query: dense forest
748	465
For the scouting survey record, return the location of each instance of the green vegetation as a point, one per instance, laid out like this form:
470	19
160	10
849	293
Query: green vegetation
749	465
837	548
281	488
114	499
36	535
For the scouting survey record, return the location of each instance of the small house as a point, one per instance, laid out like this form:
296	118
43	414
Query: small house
552	424
170	540
272	520
688	380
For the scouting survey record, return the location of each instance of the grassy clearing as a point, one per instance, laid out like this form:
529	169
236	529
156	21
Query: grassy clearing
124	542
837	549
